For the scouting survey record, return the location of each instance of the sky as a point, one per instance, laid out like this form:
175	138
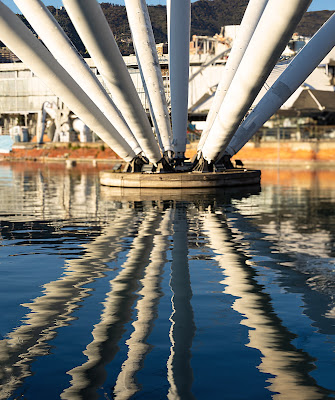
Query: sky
315	6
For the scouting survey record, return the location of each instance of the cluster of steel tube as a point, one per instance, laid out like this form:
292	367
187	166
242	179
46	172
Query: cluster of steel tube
265	30
120	119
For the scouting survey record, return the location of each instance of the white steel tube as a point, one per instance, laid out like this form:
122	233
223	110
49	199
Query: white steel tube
145	47
34	54
92	26
248	25
65	53
272	33
289	81
179	26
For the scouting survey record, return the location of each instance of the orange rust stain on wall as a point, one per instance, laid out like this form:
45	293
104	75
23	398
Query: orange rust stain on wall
82	153
284	152
273	154
190	152
248	153
326	154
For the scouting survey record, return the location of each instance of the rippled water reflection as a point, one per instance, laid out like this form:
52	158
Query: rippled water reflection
182	295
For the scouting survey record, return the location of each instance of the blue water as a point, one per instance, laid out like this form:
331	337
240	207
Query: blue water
110	294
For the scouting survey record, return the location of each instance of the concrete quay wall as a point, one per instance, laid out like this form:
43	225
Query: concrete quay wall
285	153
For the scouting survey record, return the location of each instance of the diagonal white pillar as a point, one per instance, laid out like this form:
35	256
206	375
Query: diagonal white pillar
289	81
34	54
98	38
248	25
144	41
65	53
179	26
273	32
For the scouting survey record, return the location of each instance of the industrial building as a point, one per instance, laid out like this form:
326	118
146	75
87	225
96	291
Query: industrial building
29	111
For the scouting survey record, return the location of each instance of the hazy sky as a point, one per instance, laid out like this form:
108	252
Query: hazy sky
316	4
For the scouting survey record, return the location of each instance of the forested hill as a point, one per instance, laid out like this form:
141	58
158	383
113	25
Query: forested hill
207	18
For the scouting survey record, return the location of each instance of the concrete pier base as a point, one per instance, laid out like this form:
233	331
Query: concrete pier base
235	177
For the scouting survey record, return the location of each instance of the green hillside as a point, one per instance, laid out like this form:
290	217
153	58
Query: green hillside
207	18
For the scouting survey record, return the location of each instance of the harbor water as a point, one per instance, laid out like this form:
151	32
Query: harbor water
125	294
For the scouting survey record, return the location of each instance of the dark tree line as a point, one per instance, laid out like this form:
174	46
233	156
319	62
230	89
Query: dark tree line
208	16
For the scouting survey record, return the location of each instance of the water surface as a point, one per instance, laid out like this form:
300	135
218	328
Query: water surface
114	294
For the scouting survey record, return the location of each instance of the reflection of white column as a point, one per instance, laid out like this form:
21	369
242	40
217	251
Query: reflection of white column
88	377
180	375
248	25
288	366
126	385
272	33
145	47
59	300
40	189
179	23
296	73
66	195
48	196
93	28
72	199
33	53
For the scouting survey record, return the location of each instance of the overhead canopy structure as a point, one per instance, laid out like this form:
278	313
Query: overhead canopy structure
120	120
314	101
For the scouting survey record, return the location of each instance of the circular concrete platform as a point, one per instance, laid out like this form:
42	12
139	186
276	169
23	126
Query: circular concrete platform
181	180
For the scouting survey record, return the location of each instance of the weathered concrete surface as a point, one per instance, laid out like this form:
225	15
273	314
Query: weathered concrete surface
236	177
